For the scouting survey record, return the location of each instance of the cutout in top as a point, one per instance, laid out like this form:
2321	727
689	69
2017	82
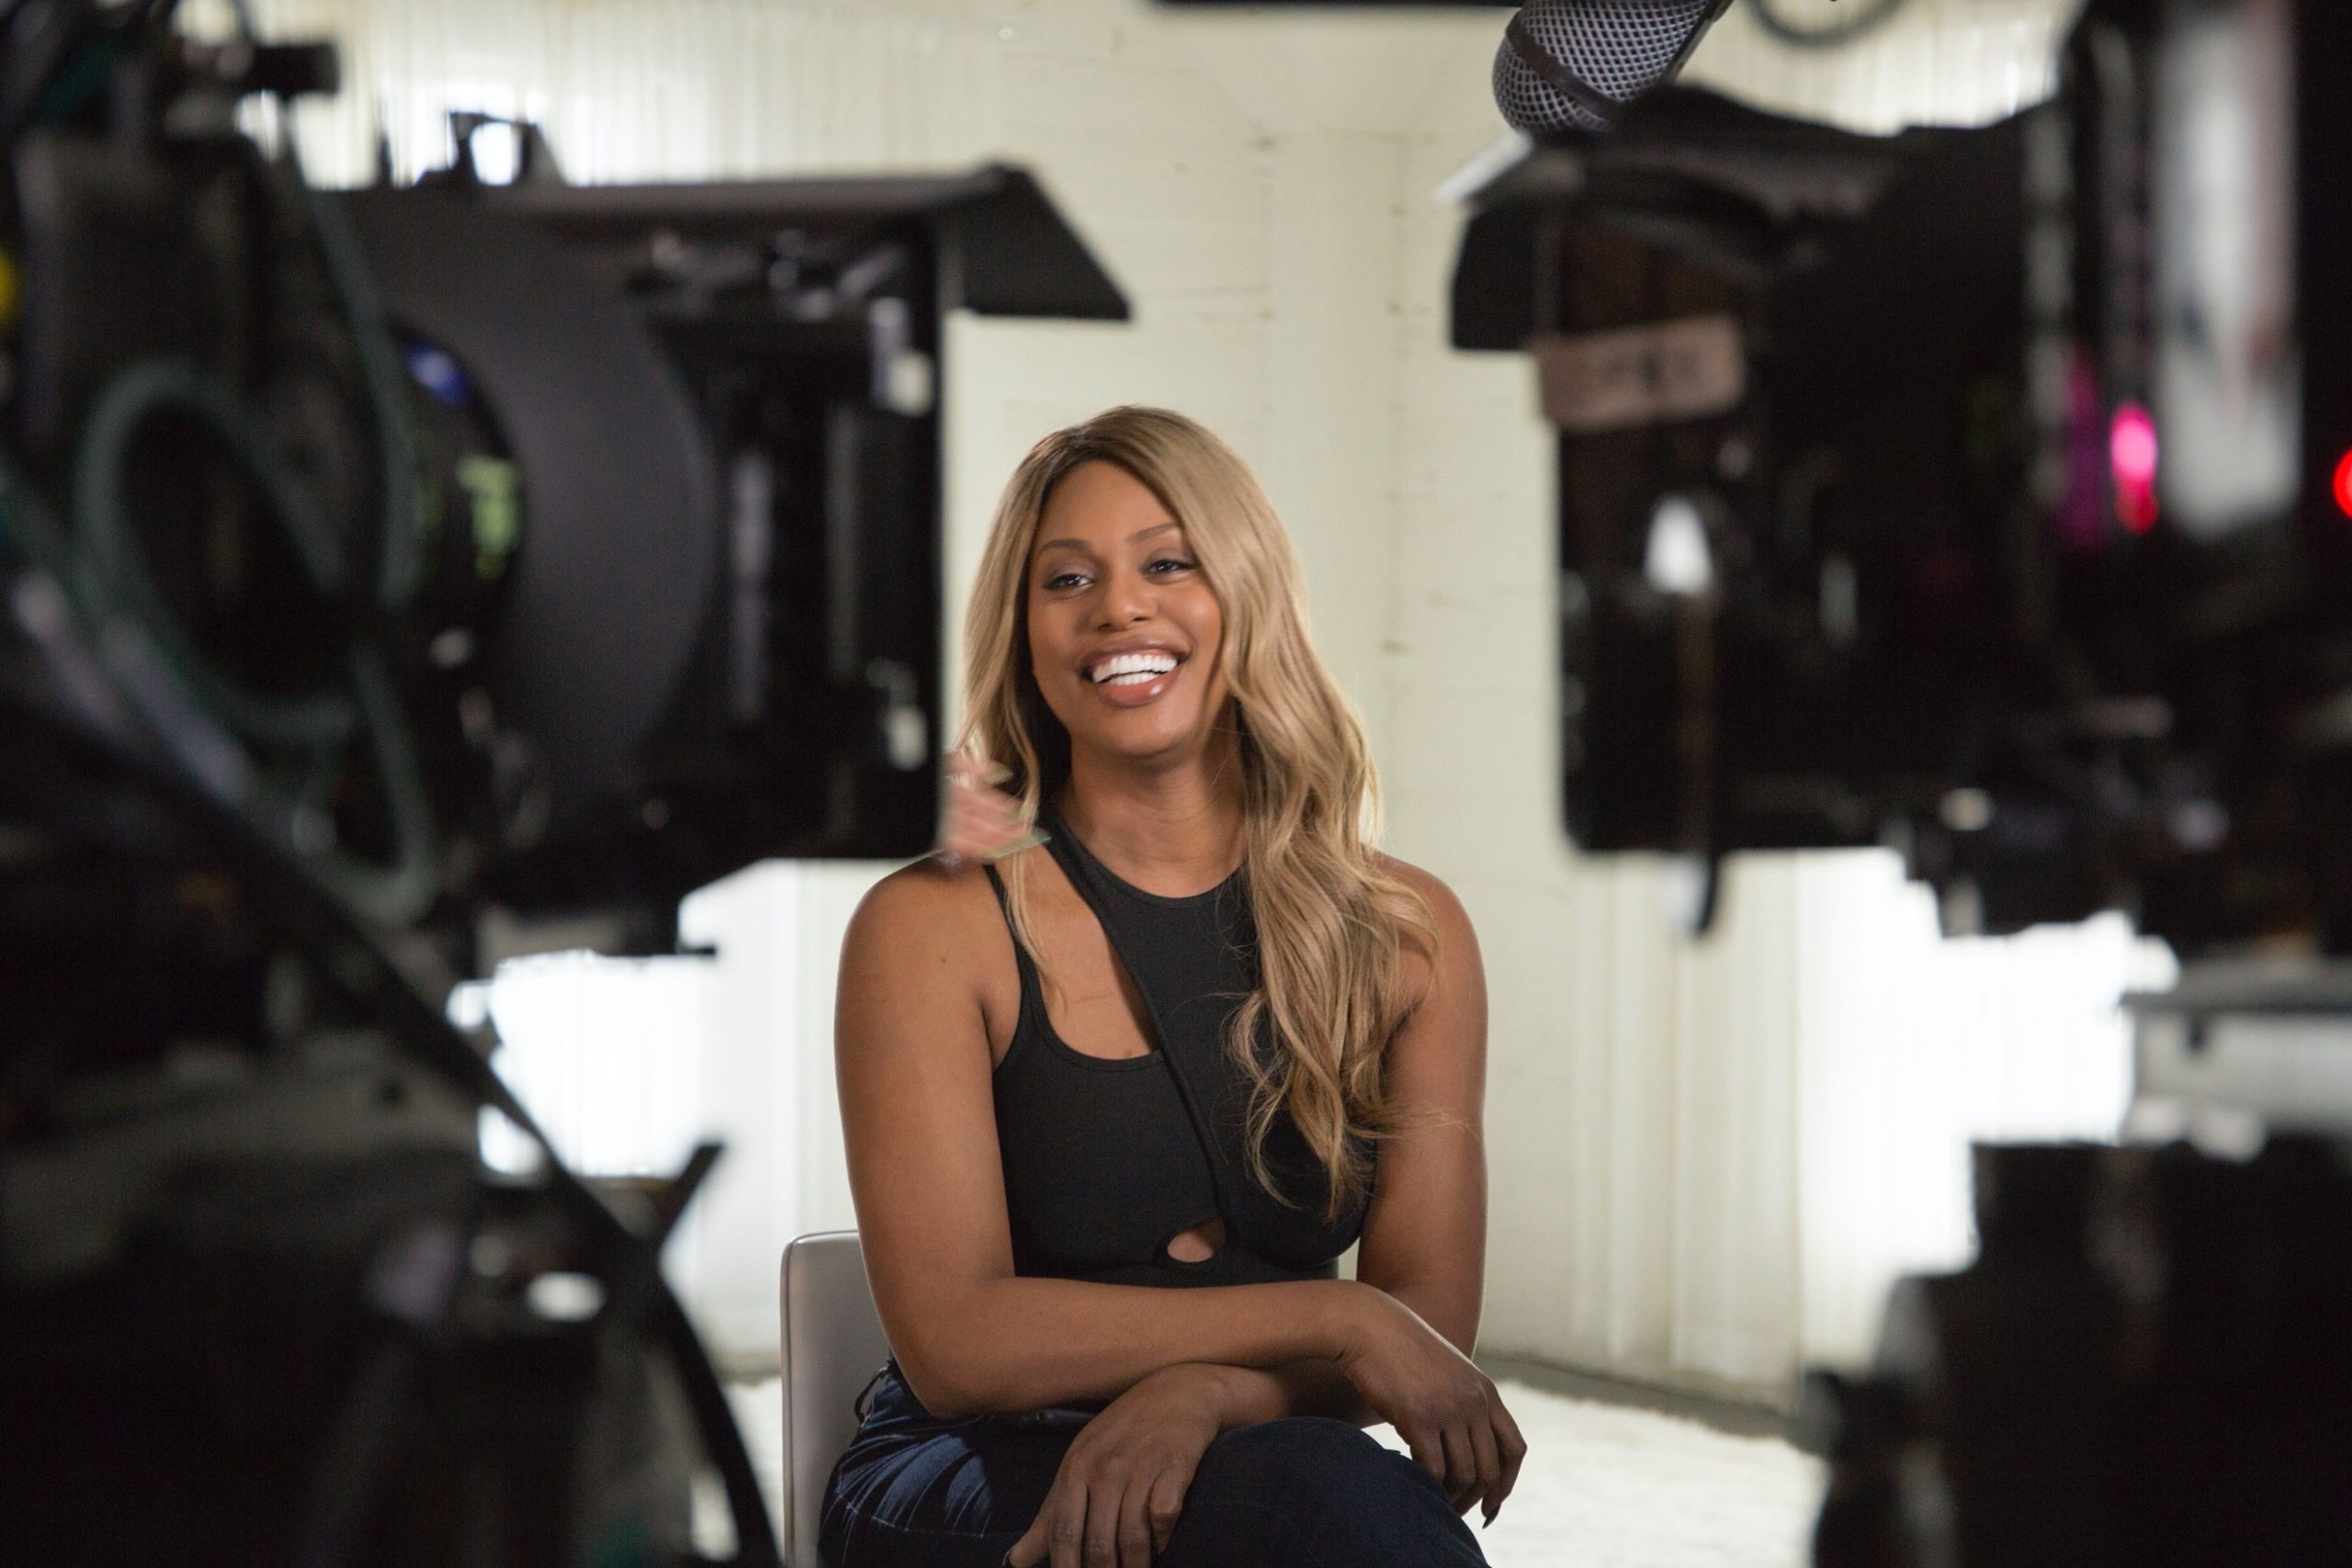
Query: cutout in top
1199	1243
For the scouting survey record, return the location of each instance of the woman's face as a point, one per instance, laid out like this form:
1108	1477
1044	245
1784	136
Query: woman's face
1124	629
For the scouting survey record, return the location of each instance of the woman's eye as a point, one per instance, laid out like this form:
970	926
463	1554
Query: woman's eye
1064	579
1170	563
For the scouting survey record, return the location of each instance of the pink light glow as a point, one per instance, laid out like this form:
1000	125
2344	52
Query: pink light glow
2133	446
2134	453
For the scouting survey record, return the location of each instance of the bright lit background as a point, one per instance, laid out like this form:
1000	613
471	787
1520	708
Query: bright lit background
1708	1161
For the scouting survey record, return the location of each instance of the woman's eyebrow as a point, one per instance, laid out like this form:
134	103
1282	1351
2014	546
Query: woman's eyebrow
1139	535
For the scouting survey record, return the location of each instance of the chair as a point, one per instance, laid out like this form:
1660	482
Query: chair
832	1346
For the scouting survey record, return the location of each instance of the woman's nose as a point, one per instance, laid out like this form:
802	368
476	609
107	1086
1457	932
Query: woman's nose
1127	598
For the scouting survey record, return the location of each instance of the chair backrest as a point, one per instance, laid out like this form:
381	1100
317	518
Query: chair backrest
832	1346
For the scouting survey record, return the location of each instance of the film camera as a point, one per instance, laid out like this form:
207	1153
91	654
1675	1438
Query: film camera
1988	494
1975	491
390	580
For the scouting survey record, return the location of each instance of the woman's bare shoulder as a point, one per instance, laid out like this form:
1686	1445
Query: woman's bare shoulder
1444	908
924	914
1454	961
927	954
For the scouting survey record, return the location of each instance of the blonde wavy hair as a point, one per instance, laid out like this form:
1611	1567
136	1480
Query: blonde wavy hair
1333	924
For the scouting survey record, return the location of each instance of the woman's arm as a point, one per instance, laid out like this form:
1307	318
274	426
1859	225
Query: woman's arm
918	1115
1424	1238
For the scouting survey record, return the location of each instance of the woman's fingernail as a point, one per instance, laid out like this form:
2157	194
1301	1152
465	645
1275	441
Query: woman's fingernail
998	774
949	860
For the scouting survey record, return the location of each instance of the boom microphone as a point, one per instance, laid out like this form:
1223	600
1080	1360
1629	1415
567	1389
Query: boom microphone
1572	65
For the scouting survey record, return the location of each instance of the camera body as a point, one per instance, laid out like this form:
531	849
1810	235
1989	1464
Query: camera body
1970	492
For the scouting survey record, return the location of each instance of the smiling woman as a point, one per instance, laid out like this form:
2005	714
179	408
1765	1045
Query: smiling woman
1205	1037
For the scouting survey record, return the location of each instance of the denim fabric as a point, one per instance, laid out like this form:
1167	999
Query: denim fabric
917	1492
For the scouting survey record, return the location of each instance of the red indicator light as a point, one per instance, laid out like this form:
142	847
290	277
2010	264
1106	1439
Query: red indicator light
2133	453
2343	484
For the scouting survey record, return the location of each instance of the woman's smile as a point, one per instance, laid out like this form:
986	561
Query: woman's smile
1131	673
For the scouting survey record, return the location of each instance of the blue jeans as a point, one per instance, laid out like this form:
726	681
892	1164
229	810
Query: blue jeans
916	1492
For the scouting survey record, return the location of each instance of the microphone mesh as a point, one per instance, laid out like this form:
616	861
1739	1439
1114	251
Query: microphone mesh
1620	49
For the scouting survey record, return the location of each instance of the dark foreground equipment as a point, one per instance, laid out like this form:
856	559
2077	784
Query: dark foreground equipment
1987	494
390	581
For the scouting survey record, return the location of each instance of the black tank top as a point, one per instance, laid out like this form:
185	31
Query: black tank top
1106	1161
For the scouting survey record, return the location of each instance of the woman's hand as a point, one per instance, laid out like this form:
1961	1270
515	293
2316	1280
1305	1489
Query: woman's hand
1445	1408
977	819
1123	1481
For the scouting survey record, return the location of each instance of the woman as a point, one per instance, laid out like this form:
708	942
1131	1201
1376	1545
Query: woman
1201	1036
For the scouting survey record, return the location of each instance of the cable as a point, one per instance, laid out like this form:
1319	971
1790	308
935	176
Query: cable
109	565
109	575
383	380
1863	17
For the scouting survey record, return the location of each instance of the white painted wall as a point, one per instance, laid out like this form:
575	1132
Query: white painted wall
1262	186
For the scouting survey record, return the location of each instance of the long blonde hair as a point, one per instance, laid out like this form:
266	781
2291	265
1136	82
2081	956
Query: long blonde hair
1332	923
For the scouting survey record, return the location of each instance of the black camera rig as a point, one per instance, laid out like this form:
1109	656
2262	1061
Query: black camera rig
379	570
1987	494
2012	460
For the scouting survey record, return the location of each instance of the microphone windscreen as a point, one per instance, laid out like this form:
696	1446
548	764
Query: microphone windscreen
1569	65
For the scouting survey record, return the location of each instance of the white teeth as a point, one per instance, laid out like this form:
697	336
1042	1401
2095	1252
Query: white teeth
1131	669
